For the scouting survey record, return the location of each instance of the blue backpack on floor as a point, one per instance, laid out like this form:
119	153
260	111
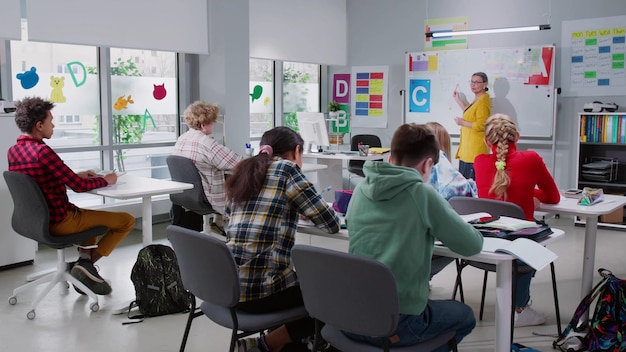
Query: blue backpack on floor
606	329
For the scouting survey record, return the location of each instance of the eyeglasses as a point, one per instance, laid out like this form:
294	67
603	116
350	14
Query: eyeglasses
476	82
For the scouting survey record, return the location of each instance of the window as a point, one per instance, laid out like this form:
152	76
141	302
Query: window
145	105
139	128
68	119
301	91
261	97
74	91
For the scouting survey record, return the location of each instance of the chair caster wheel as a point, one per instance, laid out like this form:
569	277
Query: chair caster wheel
94	307
12	300
31	315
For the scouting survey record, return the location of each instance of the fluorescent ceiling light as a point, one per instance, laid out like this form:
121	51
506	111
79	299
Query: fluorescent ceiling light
540	27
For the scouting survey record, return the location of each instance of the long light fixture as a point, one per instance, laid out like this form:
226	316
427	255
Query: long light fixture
541	27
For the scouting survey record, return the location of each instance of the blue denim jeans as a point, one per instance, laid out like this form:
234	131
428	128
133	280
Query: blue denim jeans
467	170
522	290
438	316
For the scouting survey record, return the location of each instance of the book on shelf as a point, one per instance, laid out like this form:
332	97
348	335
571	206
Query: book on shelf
530	252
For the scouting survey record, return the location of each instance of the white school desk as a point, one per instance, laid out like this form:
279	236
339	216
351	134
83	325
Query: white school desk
591	212
504	276
333	174
131	186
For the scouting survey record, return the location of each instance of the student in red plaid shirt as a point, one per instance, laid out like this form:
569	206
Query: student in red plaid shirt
267	194
33	157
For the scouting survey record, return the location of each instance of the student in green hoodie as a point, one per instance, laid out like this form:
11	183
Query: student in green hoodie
394	217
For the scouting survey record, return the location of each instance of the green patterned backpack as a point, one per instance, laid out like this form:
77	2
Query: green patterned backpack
158	285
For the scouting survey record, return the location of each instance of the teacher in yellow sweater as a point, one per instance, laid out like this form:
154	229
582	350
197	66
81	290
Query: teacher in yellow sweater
472	124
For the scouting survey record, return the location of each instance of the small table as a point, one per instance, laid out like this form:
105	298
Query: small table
131	186
333	175
504	277
592	213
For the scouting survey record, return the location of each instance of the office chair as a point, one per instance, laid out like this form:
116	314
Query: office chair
355	294
209	272
31	219
356	166
469	205
184	170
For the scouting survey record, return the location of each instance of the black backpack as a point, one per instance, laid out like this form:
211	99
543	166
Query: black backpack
158	285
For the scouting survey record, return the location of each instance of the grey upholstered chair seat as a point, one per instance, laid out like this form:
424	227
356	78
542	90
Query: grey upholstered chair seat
31	219
209	273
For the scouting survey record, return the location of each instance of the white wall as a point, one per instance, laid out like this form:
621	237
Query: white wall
380	32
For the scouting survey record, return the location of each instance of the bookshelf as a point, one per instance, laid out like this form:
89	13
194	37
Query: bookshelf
602	158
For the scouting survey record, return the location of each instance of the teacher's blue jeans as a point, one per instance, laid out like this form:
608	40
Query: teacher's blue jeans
438	316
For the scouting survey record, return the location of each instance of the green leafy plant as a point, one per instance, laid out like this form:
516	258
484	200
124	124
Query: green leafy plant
294	96
127	129
334	106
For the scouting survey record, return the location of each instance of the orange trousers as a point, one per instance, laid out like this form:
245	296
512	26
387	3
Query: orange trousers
119	224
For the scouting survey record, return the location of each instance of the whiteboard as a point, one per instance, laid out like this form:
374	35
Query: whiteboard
593	53
521	85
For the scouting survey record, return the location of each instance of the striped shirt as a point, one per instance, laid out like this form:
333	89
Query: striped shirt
35	158
262	230
211	159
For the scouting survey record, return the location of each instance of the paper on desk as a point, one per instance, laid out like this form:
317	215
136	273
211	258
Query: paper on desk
530	252
474	216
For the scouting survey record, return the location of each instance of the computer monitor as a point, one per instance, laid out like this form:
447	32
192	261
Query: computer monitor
312	126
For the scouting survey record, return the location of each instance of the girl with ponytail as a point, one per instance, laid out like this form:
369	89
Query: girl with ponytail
266	196
519	177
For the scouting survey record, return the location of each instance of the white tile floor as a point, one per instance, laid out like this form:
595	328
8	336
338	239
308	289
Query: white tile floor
65	323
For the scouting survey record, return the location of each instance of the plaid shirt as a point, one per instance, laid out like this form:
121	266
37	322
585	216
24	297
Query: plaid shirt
211	159
262	230
35	158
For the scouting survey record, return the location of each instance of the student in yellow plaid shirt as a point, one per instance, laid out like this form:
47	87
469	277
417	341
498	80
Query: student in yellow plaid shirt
266	196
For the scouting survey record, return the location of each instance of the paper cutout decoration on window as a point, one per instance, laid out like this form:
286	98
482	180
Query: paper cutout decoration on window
70	69
256	92
57	84
147	116
122	103
159	91
28	79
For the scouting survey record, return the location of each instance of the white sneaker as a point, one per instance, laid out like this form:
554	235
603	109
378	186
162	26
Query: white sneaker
529	317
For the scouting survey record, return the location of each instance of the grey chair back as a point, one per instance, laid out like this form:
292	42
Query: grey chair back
205	261
349	292
469	205
356	166
31	215
184	170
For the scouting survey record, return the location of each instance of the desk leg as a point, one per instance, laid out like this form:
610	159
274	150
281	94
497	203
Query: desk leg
146	220
504	274
591	229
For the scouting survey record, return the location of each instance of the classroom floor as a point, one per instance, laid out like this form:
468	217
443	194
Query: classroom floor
65	323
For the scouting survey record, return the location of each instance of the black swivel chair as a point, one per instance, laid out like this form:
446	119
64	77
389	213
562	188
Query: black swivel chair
352	293
356	166
184	170
31	219
209	272
469	205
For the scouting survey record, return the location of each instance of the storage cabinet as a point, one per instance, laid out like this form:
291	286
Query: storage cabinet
602	158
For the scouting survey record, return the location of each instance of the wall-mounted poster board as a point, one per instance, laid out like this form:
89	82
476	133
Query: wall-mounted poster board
593	56
521	85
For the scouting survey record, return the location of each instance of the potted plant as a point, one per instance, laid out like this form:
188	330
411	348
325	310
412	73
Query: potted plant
334	106
333	114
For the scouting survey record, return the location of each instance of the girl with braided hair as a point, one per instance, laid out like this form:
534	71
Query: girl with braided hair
519	177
